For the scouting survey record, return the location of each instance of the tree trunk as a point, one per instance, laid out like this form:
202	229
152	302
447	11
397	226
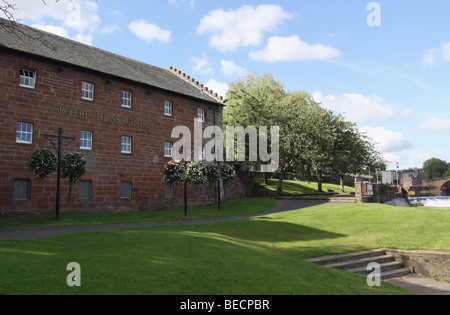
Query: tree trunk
280	182
319	182
265	178
341	180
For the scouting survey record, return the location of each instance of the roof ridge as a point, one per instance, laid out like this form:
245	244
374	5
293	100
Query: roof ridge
195	83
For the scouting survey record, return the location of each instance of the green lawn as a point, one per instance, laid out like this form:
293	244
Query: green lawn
291	187
228	209
254	257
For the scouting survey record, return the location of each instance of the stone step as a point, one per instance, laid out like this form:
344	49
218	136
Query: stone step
359	261
326	260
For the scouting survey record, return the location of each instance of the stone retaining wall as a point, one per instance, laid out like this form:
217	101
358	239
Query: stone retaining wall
430	264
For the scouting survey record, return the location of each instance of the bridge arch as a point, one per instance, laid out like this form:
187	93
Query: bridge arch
445	188
438	186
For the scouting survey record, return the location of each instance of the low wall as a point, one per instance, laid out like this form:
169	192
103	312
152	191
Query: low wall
241	186
429	264
376	193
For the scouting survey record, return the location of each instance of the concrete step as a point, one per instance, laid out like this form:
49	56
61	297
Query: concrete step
324	260
358	262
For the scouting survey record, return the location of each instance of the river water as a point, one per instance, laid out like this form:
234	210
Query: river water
438	202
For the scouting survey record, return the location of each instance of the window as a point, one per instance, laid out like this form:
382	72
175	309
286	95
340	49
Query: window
168	149
21	190
126	144
126	99
85	190
24	133
201	115
202	190
28	78
168	108
87	91
86	140
125	190
168	191
201	153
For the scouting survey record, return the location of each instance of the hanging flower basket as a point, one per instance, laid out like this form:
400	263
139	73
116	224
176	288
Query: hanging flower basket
73	166
42	163
212	173
227	172
196	173
174	171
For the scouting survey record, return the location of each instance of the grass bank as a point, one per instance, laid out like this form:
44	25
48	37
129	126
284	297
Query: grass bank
291	187
254	257
228	209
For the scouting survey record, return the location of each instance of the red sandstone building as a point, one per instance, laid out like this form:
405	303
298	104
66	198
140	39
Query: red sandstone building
120	111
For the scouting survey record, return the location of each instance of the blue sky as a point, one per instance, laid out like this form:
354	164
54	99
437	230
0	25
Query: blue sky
385	64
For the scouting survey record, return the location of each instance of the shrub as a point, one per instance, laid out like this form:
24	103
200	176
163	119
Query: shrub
227	172
43	162
174	171
73	166
196	173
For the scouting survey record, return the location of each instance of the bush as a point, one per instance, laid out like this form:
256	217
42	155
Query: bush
212	173
73	166
227	172
174	171
196	173
43	162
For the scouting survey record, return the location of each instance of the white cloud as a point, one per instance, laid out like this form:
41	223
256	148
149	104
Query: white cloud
243	27
436	56
409	159
359	108
76	15
60	31
190	3
229	68
57	30
217	87
387	141
110	29
149	32
84	38
201	65
436	124
292	48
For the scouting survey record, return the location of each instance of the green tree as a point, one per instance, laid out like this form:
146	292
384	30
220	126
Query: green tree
256	102
435	168
352	151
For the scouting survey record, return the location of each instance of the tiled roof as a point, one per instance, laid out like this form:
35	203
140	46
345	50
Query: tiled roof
36	42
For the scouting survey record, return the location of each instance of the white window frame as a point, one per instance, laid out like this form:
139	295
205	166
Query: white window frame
125	144
28	78
126	99
168	149
201	153
200	115
87	91
86	140
26	133
168	108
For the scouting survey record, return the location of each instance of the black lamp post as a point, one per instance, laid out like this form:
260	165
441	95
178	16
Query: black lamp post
57	143
215	158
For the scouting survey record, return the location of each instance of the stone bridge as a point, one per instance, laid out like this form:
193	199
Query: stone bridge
437	186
